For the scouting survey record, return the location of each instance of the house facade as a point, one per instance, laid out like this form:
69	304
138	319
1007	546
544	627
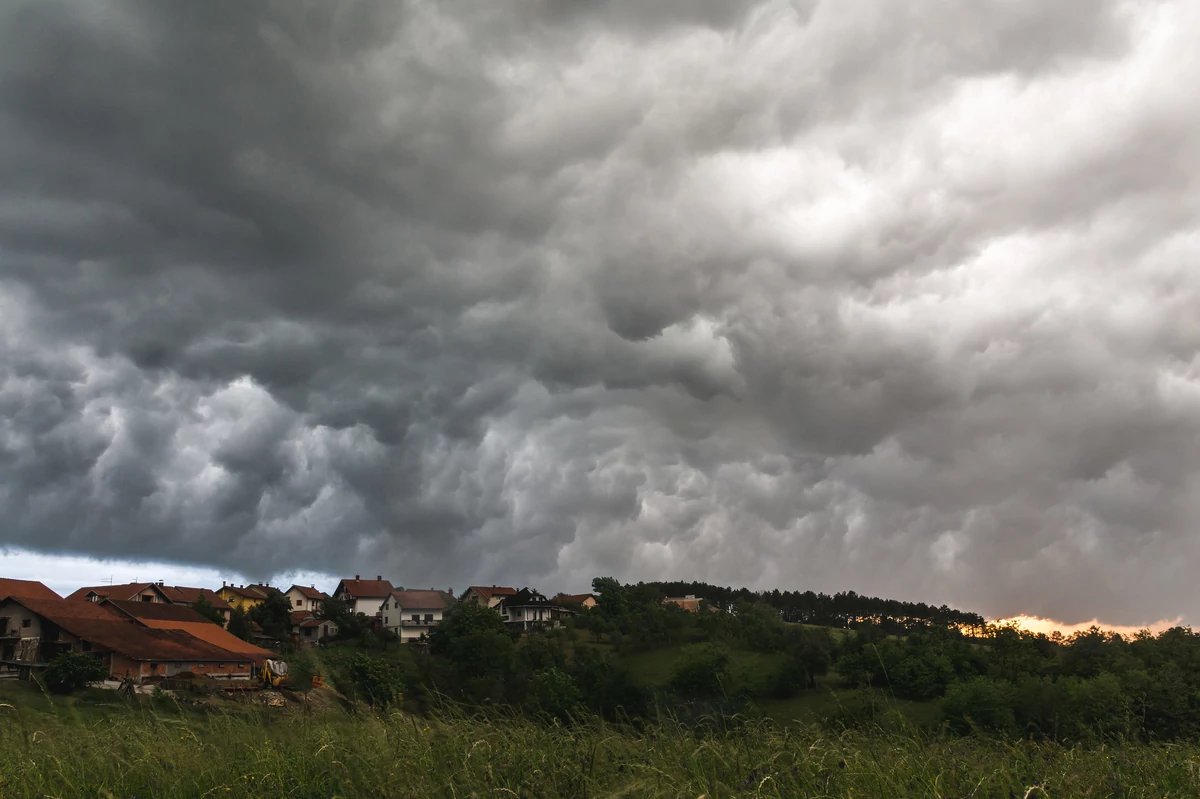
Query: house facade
308	630
364	596
488	596
242	596
690	603
528	610
131	592
306	598
411	614
576	601
35	631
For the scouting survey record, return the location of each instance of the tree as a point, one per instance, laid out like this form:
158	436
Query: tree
71	671
349	624
301	671
206	609
239	624
703	671
373	680
611	597
274	615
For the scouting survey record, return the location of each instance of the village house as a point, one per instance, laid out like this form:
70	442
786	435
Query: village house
576	601
308	630
528	610
241	596
132	592
175	617
187	596
364	596
411	614
30	588
305	597
690	603
489	597
35	631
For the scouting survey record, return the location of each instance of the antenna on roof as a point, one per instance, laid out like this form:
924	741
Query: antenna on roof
108	580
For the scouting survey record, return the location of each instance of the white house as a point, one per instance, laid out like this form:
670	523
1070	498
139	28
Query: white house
364	596
528	610
305	597
411	614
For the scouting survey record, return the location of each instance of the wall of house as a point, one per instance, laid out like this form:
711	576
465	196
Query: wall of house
121	666
368	606
397	620
301	602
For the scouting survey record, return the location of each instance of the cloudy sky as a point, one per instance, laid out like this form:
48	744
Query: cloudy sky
895	297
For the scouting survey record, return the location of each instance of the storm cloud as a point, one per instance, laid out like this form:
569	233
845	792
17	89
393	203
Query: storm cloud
897	297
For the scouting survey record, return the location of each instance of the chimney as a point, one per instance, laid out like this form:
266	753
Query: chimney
379	577
222	583
356	577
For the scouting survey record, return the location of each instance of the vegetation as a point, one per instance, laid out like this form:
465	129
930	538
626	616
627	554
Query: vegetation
161	749
274	615
72	671
205	608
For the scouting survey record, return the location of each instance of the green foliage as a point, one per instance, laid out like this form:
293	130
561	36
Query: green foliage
701	672
983	703
301	670
72	671
206	609
370	680
350	625
555	694
274	615
239	624
611	599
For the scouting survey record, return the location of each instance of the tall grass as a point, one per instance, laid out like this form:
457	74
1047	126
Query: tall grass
153	750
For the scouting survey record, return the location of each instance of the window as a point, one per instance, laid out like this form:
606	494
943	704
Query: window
26	622
146	598
428	617
87	646
416	617
299	602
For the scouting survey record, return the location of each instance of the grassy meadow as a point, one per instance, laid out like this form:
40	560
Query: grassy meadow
97	745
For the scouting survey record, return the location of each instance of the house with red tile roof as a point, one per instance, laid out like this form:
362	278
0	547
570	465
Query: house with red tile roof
305	597
412	614
576	601
308	630
25	588
177	617
364	596
188	596
488	596
132	592
35	631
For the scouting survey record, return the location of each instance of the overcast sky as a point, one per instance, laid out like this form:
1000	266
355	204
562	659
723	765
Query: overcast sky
895	297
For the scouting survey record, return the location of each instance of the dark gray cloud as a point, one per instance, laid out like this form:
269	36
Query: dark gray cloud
899	298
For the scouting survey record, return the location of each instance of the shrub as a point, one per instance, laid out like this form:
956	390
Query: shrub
71	671
703	671
980	702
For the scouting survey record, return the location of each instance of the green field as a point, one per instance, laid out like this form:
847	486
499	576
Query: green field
95	745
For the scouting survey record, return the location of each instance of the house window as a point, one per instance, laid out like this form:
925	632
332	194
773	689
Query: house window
26	622
87	646
147	598
428	617
416	617
299	602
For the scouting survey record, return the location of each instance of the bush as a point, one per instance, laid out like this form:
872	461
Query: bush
703	671
71	671
371	680
981	703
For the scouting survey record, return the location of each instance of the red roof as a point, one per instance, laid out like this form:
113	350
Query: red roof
182	594
249	591
495	590
122	591
301	616
420	600
308	592
25	588
574	599
158	611
366	589
101	626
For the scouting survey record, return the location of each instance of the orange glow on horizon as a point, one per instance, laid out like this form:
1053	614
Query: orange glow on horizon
1035	624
